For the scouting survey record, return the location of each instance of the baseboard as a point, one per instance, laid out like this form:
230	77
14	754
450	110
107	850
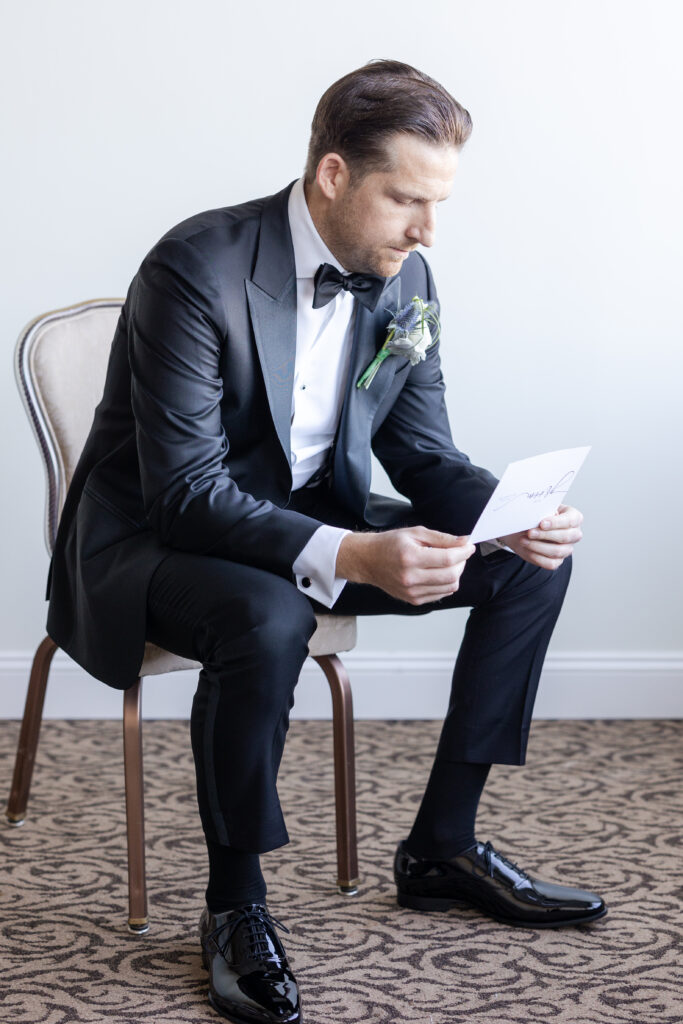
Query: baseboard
597	684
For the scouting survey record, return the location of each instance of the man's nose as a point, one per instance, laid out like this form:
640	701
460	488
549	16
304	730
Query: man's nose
424	228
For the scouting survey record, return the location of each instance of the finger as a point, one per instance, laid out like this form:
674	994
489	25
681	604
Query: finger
566	517
546	563
547	550
424	596
571	535
420	578
438	539
442	558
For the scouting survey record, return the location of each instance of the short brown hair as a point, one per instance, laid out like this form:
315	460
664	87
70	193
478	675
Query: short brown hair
357	114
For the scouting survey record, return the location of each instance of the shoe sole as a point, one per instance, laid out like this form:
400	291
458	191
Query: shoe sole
437	903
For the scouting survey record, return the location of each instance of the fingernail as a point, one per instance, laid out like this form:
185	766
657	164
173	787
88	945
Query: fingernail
546	524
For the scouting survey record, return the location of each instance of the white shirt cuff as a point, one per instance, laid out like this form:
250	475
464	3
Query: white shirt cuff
314	567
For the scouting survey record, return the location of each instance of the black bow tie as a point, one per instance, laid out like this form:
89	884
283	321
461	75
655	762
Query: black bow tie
367	288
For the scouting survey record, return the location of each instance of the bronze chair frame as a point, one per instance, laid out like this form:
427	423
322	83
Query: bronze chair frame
331	665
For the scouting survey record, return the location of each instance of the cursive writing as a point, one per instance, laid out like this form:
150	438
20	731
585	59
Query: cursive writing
561	487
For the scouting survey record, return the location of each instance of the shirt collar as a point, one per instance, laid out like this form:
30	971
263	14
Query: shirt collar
309	249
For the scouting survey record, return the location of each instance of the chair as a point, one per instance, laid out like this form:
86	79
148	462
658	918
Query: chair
60	363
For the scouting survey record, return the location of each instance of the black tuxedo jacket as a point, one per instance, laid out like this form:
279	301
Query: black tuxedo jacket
190	444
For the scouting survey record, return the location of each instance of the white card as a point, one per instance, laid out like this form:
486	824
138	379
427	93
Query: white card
527	491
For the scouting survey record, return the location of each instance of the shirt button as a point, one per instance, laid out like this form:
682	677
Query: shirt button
305	581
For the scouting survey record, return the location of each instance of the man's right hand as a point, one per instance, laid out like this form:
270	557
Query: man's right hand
413	564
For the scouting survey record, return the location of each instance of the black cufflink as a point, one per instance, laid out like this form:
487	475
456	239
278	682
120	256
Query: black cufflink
305	581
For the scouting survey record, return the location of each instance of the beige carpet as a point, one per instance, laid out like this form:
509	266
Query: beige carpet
599	804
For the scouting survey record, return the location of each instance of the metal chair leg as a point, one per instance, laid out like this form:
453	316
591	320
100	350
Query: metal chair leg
344	773
138	921
30	732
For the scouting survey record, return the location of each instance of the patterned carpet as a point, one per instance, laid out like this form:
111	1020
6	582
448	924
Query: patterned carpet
598	803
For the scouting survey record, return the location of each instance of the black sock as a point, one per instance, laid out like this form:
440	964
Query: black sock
234	878
444	825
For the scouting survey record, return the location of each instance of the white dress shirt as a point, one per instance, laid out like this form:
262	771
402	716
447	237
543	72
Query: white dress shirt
323	349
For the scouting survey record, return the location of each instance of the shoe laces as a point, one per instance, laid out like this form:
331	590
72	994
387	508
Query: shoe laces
490	851
258	920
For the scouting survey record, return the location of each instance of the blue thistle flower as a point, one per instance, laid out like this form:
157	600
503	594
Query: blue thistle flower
407	318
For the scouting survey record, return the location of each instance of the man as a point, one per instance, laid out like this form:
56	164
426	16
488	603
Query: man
223	497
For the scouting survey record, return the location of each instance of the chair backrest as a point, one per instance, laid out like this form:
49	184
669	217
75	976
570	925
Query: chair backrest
60	363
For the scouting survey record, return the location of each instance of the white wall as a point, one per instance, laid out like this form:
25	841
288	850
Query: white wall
558	257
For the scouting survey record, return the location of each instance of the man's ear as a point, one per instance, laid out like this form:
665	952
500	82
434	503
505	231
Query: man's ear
332	175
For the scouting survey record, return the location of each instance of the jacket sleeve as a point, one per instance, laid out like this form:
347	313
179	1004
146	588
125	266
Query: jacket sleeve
175	337
415	447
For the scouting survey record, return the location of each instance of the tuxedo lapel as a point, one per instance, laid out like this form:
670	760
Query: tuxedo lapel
369	336
352	465
271	295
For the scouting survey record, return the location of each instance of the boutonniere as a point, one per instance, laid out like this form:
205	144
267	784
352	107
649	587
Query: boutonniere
409	335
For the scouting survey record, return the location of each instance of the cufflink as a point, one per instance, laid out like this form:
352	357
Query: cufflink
305	581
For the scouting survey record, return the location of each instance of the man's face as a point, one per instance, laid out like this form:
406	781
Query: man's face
375	221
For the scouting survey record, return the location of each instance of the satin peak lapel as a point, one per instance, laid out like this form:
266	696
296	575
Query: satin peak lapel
271	295
352	467
369	336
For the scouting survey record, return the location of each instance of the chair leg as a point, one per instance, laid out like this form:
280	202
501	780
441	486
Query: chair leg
30	732
138	921
344	773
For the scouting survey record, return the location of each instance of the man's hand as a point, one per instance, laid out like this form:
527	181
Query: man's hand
413	564
551	542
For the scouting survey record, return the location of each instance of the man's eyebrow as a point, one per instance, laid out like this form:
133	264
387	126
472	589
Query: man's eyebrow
415	198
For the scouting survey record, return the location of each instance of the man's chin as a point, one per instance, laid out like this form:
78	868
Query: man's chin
397	260
392	265
383	266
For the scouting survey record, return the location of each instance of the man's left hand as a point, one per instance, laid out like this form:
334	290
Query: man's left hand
553	540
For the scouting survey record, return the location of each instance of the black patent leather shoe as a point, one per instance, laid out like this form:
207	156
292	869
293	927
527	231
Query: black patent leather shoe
250	981
483	878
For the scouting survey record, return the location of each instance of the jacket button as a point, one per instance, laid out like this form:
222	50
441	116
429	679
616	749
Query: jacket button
305	581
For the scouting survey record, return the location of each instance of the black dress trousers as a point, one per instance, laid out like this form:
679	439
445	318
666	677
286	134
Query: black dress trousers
250	630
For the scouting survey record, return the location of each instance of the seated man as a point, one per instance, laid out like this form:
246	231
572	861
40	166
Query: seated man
223	496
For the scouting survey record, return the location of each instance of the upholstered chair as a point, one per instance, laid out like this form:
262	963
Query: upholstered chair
60	362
